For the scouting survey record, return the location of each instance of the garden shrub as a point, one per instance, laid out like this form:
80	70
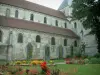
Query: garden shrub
78	55
68	56
95	60
97	55
86	60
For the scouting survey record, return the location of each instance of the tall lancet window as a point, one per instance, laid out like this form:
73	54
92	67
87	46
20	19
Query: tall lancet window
75	43
65	42
65	25
20	38
31	17
56	23
75	25
16	13
8	12
52	41
45	20
38	39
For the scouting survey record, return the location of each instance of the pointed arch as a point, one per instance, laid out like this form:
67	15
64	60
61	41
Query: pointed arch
29	51
38	38
47	53
20	38
60	52
8	12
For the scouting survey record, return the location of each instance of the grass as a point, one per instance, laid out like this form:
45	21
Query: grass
90	69
74	69
56	61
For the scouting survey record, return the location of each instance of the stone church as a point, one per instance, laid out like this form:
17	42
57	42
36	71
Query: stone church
32	31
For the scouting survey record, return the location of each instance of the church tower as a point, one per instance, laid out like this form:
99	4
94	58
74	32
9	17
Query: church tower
66	8
76	26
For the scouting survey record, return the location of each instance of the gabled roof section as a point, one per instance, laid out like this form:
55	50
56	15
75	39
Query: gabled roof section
23	24
34	7
63	5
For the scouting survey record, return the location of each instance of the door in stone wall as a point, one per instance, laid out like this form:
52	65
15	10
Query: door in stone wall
29	51
47	53
60	50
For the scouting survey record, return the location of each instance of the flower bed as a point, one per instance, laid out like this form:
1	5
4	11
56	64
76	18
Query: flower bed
74	61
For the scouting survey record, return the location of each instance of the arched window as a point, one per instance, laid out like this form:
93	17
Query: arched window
75	25
0	36
45	20
31	17
16	13
38	39
56	23
75	43
65	42
52	41
20	38
82	32
7	12
65	25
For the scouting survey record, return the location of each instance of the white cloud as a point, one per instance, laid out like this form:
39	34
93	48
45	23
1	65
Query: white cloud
48	3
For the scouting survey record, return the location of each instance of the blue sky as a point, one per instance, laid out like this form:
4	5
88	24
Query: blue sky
54	4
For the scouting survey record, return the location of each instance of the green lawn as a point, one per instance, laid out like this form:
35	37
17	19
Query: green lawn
89	69
72	69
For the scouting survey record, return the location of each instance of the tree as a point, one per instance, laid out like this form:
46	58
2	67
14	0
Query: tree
88	12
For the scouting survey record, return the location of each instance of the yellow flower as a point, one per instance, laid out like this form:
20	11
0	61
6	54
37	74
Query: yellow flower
51	62
18	62
40	61
36	62
23	62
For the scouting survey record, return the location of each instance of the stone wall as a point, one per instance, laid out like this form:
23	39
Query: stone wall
19	50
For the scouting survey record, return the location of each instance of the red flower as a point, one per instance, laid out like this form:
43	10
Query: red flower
43	65
48	72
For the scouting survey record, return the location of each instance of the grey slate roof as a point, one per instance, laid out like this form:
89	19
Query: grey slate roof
34	7
23	24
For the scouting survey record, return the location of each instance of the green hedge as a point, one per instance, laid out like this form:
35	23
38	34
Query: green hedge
95	61
97	55
3	62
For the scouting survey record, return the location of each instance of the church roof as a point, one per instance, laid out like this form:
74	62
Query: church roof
63	5
34	7
23	24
